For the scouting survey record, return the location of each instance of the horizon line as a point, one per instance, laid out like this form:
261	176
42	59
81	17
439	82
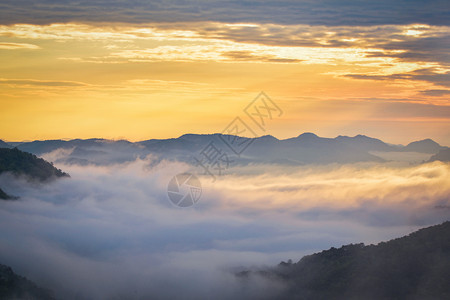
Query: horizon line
210	134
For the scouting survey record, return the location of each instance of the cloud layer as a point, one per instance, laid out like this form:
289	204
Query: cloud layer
321	12
111	232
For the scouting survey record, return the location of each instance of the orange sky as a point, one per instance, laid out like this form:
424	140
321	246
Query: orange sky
161	80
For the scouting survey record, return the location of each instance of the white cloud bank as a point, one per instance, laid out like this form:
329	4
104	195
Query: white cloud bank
111	233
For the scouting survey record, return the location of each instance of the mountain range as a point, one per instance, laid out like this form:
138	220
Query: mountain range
306	148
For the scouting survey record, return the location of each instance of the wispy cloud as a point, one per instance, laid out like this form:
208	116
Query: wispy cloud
17	46
43	83
436	93
428	75
215	51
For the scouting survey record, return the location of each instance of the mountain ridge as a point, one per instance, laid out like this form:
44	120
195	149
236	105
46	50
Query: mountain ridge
185	135
20	163
305	148
13	286
415	266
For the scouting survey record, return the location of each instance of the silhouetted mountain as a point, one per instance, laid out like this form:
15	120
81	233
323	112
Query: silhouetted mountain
23	163
185	143
424	146
416	266
5	196
443	155
26	164
40	147
305	149
13	286
90	151
310	148
366	143
4	144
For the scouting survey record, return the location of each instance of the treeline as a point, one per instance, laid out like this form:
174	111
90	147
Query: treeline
24	163
413	267
13	286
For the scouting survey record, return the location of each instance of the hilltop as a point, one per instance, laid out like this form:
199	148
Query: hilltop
21	163
416	266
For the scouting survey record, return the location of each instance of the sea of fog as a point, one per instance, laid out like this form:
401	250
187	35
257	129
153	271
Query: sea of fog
110	232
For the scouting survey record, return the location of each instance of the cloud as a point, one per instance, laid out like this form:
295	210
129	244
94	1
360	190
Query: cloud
218	52
46	83
428	47
390	48
321	12
94	32
250	56
16	46
430	75
435	93
110	231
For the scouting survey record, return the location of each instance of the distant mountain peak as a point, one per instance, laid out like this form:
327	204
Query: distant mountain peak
268	137
358	137
424	141
308	135
196	135
424	146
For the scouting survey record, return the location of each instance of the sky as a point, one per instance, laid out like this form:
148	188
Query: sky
139	70
158	69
